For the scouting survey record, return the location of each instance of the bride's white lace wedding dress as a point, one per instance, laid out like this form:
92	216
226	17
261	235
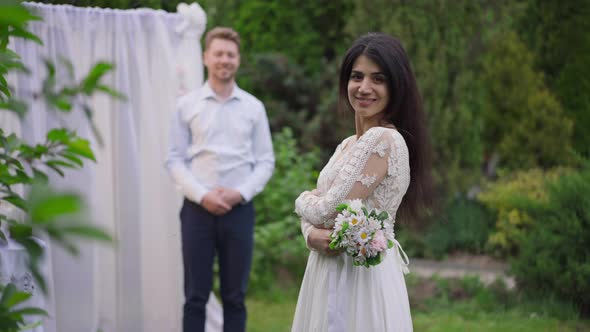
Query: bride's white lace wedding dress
336	296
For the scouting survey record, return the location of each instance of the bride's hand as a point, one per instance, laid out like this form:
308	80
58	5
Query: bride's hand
319	240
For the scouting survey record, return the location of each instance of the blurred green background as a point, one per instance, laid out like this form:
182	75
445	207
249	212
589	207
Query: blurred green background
506	86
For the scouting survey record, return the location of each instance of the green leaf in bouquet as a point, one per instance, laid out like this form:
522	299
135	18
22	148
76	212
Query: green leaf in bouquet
345	226
334	244
371	261
389	244
341	207
365	211
383	216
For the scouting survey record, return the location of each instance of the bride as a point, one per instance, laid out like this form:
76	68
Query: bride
386	165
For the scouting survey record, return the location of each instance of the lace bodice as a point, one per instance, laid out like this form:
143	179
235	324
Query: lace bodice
375	168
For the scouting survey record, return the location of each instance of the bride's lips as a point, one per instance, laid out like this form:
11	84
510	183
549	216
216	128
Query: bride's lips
365	102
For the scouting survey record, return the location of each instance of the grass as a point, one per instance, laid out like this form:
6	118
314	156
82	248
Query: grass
476	309
449	321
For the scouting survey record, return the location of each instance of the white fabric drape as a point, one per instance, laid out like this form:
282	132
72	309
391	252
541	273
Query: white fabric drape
135	285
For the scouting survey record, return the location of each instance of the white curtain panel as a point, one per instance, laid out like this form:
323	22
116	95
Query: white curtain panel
135	285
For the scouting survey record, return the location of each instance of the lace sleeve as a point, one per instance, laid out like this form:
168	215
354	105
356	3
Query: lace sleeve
366	167
306	226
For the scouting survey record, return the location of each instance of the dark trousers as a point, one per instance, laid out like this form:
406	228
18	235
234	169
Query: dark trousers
231	237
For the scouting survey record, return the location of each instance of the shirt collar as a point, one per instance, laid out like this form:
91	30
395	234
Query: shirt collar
207	92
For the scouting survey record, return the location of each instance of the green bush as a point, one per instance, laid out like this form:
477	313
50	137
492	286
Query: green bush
280	252
554	254
465	226
503	197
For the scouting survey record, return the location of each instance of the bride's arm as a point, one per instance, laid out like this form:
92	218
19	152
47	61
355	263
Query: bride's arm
366	167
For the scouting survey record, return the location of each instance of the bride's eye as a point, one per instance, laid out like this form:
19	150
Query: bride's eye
379	79
356	76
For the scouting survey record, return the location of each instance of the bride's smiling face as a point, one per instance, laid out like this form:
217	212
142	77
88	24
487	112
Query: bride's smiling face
367	89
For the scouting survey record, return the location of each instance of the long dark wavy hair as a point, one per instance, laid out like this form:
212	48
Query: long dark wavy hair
404	111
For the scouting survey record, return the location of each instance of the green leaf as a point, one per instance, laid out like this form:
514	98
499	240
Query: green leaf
22	33
31	311
16	106
13	142
47	208
57	163
13	13
58	135
16	200
62	102
7	293
86	231
111	92
383	216
81	147
12	296
40	176
20	231
72	157
56	169
341	207
91	81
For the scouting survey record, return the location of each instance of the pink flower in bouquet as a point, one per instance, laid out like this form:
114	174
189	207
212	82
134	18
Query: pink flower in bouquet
379	242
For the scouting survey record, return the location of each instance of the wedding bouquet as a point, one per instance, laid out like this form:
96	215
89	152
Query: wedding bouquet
364	235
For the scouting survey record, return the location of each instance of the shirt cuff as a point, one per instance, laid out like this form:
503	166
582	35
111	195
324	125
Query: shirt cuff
194	194
246	195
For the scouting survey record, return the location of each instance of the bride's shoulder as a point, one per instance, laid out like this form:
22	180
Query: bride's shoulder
345	142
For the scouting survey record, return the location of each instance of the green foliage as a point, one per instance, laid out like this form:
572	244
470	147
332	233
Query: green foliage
307	32
464	226
11	318
24	167
524	123
305	103
505	198
557	33
279	245
553	257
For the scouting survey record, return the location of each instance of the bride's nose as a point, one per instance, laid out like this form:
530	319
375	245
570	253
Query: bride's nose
365	87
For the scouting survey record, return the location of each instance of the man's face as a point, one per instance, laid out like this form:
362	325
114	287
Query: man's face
222	59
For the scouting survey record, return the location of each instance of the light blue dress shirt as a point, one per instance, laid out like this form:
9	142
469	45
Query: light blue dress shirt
220	143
